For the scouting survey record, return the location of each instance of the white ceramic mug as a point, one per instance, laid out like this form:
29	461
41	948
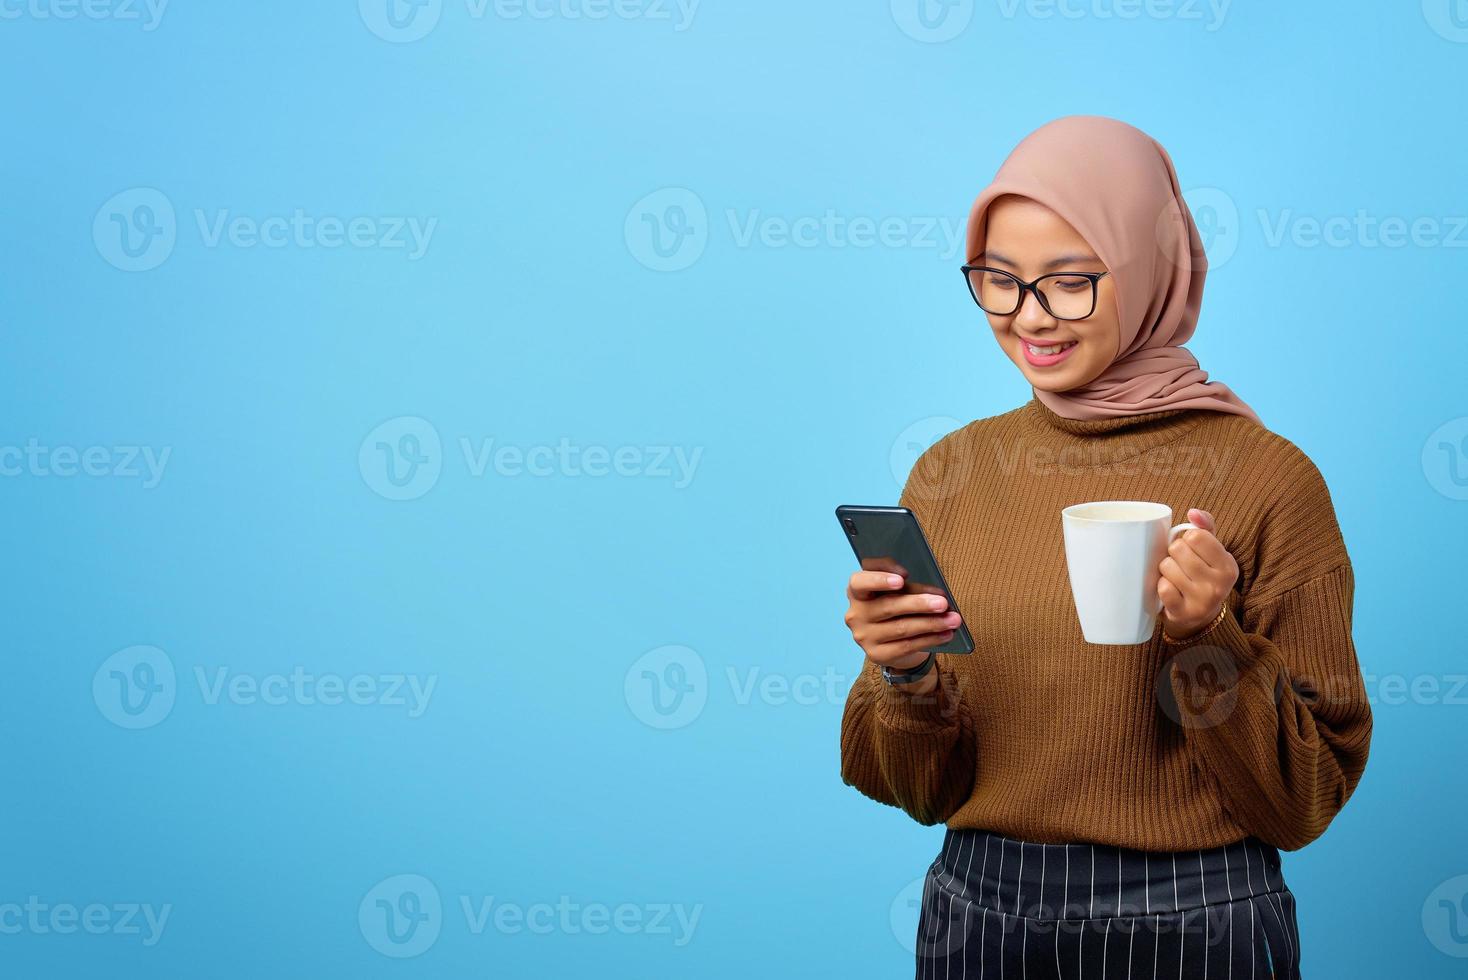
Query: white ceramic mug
1112	551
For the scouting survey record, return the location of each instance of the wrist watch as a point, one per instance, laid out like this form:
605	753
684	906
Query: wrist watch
912	674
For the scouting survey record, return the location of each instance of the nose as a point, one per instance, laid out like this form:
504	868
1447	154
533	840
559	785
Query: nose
1030	312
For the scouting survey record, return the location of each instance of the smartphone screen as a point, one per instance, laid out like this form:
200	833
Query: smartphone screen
889	539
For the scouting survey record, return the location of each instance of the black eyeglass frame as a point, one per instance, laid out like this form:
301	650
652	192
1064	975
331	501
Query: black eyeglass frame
1032	286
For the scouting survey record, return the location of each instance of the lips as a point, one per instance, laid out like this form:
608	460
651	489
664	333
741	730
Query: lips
1046	360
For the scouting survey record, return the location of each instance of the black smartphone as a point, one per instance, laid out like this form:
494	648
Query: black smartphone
890	539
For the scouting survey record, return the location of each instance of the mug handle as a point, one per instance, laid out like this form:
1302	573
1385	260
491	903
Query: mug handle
1179	529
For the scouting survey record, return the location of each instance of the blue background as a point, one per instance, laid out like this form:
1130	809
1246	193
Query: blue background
544	769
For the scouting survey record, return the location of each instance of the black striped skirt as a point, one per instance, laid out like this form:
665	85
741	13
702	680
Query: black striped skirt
996	907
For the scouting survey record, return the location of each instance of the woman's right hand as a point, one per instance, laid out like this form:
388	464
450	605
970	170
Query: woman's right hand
895	629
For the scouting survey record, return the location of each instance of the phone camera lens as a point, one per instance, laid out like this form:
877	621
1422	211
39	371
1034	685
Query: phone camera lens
851	527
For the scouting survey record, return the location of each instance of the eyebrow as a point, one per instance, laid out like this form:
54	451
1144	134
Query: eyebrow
1055	263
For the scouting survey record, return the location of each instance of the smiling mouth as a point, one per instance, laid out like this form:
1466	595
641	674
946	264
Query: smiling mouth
1049	349
1047	355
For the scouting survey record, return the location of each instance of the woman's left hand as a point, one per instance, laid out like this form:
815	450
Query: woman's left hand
1197	575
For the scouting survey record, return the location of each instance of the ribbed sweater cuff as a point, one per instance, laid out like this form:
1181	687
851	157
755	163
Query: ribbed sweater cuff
920	714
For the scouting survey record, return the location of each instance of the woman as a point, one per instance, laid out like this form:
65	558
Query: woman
1111	810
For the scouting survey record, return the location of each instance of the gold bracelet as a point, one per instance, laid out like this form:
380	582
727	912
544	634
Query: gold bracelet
1209	628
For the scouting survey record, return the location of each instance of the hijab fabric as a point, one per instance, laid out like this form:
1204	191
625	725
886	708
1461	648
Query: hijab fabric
1117	187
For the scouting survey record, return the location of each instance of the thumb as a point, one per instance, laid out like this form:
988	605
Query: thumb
1200	517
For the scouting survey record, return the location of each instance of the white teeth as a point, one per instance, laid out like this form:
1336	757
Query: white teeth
1056	349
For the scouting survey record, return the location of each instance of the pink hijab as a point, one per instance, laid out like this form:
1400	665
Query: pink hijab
1116	186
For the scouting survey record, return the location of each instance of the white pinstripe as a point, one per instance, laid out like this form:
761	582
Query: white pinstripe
967	905
983	930
1156	946
1230	885
1081	942
985	870
1019	879
1104	944
1063	903
1003	931
1229	942
1181	932
1274	898
998	898
929	884
1024	939
1146	884
948	953
1251	939
1044	863
1207	921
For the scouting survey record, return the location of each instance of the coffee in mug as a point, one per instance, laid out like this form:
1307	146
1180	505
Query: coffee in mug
1112	551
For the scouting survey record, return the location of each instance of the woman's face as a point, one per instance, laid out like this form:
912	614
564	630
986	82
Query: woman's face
1026	238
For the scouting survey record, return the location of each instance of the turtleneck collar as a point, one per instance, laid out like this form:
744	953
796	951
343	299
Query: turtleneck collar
1138	432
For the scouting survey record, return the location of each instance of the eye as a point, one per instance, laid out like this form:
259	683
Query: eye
999	282
1072	283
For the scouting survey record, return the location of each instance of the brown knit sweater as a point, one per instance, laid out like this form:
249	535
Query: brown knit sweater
1259	725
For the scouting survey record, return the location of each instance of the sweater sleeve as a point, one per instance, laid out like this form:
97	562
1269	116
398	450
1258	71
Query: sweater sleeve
912	751
1273	702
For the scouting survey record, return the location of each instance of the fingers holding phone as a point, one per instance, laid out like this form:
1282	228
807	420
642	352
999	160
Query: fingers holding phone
896	629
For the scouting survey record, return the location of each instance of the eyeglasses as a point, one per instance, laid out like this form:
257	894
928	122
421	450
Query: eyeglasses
1064	295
